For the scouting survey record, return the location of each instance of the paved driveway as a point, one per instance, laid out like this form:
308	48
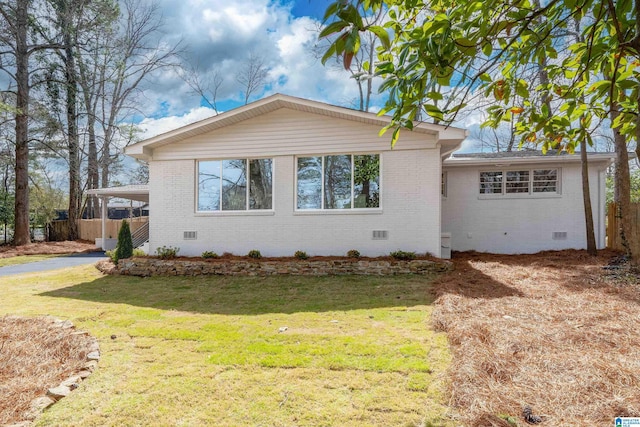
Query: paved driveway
53	263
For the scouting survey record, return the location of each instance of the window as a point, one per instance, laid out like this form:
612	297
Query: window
517	182
223	185
342	181
545	181
490	182
520	182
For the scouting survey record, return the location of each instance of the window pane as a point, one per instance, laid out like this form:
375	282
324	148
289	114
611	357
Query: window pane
260	184
545	181
491	182
517	182
209	186
337	182
366	178
309	183
234	185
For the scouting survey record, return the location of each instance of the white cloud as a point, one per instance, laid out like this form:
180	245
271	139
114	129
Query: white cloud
153	127
219	36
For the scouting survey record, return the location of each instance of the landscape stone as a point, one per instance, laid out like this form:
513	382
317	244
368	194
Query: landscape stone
59	392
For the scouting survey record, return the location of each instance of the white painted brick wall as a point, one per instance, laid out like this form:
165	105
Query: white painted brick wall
410	200
522	225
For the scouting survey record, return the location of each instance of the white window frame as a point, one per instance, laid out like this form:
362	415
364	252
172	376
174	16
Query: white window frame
530	194
247	210
322	209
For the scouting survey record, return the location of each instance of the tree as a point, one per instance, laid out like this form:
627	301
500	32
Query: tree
480	46
252	76
125	242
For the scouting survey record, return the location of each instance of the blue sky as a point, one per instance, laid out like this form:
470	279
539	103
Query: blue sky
313	8
219	36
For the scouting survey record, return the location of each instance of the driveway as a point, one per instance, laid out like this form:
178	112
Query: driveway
53	263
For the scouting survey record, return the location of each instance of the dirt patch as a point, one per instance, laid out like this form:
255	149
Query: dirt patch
48	248
557	331
37	354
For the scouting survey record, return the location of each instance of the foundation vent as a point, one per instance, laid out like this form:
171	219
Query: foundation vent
190	235
559	235
380	235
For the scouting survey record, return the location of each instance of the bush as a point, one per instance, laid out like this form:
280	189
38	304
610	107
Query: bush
209	254
353	254
402	255
301	255
255	254
167	252
125	243
139	252
112	255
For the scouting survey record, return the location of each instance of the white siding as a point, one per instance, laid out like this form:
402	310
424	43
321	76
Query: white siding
287	131
520	225
410	212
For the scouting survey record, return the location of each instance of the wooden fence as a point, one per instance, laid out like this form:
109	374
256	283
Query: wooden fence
613	237
91	229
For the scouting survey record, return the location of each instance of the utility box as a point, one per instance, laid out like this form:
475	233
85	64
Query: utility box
445	245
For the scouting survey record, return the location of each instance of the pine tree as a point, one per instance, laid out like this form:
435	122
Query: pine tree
125	243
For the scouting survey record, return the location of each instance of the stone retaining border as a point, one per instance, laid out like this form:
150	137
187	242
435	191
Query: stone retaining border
148	266
54	394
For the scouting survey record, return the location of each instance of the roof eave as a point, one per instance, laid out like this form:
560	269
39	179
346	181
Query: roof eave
505	162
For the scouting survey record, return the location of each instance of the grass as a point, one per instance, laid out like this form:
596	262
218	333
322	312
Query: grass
24	259
246	351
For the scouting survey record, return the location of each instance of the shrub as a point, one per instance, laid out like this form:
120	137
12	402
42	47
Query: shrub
209	254
139	252
112	255
255	254
301	255
125	243
353	254
167	252
402	255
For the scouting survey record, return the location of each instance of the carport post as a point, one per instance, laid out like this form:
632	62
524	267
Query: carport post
103	216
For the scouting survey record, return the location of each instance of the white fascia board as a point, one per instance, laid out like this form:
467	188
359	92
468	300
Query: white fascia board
512	161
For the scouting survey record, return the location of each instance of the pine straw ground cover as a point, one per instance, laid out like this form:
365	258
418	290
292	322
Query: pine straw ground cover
47	248
555	331
35	354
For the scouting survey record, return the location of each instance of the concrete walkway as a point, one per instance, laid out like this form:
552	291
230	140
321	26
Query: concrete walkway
53	263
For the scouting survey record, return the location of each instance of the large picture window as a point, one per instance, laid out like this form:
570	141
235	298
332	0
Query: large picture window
342	181
520	181
235	185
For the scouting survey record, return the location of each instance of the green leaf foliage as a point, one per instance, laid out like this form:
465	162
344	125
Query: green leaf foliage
125	243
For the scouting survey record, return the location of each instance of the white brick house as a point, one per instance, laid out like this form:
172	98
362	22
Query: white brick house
284	174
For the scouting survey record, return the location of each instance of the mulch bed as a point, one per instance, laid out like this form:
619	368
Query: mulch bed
556	332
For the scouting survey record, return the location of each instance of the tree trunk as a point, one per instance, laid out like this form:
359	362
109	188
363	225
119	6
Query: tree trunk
622	194
92	168
586	199
21	228
72	127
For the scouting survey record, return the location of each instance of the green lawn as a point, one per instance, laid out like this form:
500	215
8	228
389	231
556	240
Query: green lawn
208	351
24	259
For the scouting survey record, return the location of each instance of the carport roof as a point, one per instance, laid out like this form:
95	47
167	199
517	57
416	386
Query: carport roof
132	192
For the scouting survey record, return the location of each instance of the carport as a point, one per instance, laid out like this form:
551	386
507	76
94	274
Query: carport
130	192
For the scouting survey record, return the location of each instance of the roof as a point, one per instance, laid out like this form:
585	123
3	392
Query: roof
506	158
131	192
449	136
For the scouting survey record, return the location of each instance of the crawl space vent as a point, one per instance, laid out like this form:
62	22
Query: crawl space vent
190	235
559	235
380	234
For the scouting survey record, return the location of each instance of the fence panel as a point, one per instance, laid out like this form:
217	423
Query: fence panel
91	229
613	224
